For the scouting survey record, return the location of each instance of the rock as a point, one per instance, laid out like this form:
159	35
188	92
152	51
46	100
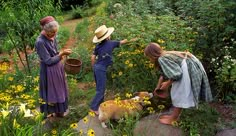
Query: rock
92	123
228	132
150	126
147	126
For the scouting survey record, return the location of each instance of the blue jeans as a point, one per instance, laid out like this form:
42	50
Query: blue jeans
100	80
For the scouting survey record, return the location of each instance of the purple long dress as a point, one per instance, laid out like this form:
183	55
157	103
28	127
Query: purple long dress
53	88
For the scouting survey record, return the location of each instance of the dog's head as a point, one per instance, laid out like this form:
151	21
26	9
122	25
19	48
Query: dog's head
143	95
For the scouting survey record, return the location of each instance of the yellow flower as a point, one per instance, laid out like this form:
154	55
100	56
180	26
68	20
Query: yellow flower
130	65
19	88
161	107
120	73
36	79
117	100
151	110
35	112
10	78
81	132
174	123
41	101
4	113
15	124
36	88
91	132
54	131
151	65
160	41
85	119
146	102
146	98
74	125
127	62
92	114
13	87
128	95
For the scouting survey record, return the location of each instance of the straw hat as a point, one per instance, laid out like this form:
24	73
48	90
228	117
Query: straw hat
102	33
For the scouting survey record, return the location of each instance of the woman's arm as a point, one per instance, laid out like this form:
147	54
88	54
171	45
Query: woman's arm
165	85
161	79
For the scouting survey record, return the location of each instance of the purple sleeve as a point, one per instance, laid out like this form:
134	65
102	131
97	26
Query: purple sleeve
116	44
44	54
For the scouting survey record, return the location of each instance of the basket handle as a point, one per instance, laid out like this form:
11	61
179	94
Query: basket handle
74	53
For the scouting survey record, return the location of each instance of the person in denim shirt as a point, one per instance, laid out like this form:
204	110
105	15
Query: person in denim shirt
100	60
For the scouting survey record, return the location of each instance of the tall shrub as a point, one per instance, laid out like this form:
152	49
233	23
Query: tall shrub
20	20
131	69
215	24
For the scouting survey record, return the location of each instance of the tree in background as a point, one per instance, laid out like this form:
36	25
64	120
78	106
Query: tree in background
19	23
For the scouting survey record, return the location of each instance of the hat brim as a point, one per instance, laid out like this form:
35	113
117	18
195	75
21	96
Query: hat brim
109	32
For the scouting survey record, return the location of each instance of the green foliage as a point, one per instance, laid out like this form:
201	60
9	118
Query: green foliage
131	69
7	45
132	7
81	30
18	120
124	126
19	19
214	22
194	121
77	12
62	36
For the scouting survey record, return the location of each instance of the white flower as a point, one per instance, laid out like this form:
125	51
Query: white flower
22	107
27	113
117	5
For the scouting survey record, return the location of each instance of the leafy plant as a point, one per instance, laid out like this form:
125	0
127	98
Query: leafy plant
199	125
20	21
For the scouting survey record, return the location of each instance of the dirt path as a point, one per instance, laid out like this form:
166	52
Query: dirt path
71	25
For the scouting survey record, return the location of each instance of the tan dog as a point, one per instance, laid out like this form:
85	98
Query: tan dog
116	109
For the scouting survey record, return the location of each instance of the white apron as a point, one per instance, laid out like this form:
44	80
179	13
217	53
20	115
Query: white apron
181	91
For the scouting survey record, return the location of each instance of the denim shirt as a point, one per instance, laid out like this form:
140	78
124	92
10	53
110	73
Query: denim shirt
103	52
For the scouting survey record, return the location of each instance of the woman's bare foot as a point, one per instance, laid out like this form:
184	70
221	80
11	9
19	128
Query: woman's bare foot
168	120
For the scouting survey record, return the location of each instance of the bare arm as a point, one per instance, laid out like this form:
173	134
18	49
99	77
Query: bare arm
166	84
161	79
123	41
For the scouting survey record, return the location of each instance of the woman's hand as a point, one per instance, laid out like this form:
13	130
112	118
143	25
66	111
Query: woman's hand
165	85
67	51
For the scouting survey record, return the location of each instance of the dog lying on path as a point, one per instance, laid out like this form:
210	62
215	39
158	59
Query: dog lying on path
116	109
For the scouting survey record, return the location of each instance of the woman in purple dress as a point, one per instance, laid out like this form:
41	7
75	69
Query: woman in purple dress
53	87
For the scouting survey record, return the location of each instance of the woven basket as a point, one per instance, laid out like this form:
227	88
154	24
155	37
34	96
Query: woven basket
73	66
